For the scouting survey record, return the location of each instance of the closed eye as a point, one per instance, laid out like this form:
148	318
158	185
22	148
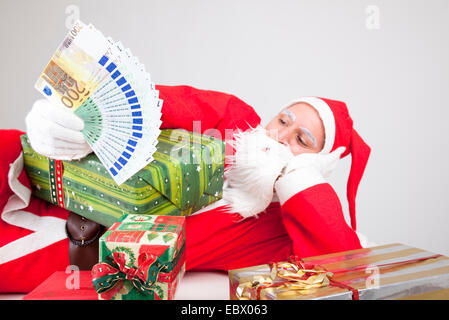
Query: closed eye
300	140
282	121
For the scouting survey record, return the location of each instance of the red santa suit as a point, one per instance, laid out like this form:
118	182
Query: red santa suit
306	219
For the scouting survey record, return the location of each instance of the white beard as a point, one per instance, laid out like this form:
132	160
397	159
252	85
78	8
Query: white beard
252	171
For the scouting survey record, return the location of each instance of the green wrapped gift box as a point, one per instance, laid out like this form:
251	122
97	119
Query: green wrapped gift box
185	175
141	258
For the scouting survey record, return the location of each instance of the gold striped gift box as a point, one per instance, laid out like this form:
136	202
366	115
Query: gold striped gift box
393	271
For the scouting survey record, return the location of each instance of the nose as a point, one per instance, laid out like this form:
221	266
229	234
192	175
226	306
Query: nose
283	136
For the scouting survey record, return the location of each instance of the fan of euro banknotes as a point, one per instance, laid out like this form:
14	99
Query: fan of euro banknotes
104	84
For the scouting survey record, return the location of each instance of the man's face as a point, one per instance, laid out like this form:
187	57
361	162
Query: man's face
300	127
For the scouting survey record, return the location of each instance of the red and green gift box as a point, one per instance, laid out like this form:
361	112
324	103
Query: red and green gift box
142	257
393	271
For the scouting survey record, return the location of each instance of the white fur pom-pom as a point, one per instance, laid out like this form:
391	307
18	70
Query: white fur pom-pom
252	171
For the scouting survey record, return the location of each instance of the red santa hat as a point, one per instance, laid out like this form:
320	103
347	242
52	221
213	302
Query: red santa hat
339	132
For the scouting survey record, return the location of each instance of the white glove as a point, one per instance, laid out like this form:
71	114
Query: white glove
55	132
304	171
325	163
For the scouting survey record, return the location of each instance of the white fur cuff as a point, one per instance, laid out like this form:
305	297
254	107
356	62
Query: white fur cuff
297	181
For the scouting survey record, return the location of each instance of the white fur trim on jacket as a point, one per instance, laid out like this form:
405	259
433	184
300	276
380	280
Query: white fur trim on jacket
47	229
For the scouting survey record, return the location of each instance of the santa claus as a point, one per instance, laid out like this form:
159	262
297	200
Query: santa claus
276	201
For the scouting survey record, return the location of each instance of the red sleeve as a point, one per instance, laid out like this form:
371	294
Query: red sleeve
315	222
216	110
11	148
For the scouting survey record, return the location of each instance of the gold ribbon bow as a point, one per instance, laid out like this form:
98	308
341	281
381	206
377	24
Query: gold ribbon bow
284	275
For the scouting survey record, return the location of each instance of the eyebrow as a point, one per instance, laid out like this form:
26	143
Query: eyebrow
290	114
292	117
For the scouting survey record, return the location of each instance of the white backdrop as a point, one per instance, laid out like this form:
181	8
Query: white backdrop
388	60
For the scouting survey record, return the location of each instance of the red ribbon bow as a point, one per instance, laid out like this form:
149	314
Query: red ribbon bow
105	275
144	262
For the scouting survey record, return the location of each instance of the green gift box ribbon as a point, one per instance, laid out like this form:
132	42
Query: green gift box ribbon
185	175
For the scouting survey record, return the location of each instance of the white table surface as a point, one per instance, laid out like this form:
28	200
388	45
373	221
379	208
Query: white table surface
209	285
